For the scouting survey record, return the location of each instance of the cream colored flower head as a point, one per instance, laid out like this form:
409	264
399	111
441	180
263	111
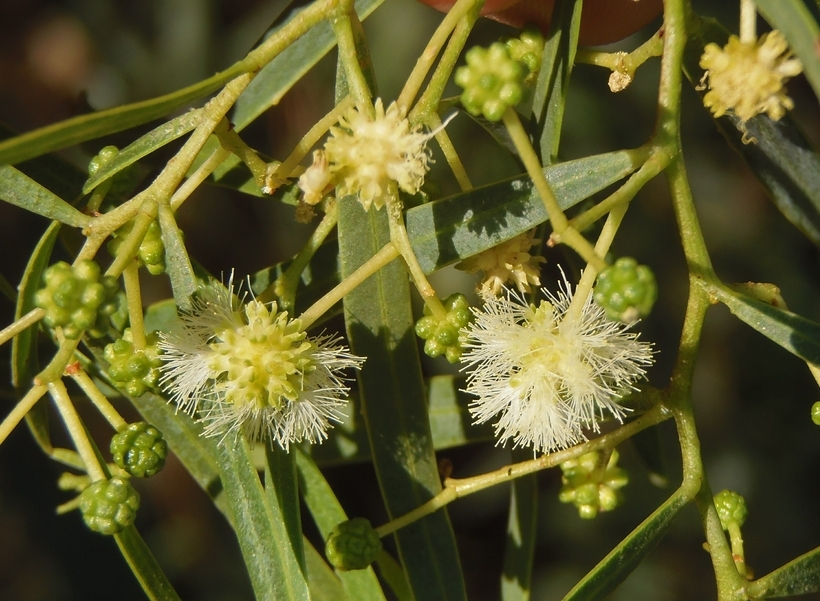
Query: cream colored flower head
510	261
746	78
248	368
544	376
366	154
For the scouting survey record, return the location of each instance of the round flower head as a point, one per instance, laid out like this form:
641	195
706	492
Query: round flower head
510	261
367	154
545	375
747	77
253	370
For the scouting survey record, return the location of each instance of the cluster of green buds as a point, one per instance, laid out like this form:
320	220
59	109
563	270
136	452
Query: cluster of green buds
122	182
139	449
626	290
528	48
443	336
77	299
353	545
732	512
492	80
592	486
151	251
109	506
134	371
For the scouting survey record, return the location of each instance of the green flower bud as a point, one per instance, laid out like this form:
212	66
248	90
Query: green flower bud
592	487
134	371
139	449
492	81
109	506
528	49
731	508
626	290
441	336
815	413
353	545
102	159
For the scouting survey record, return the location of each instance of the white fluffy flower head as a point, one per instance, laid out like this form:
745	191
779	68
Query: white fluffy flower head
253	370
544	375
510	261
367	154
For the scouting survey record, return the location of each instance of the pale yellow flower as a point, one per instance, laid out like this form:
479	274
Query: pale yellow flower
315	179
366	154
510	261
746	78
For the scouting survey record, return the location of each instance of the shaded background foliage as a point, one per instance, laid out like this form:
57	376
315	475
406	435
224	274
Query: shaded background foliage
752	399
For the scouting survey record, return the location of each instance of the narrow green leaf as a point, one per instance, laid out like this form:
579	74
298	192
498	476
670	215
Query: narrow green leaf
394	576
795	21
623	559
553	79
7	290
279	75
145	145
283	497
794	333
263	537
522	522
323	583
94	125
145	567
23	348
22	191
798	577
177	262
327	512
781	157
460	226
379	323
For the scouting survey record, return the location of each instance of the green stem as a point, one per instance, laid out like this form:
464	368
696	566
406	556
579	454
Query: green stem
131	278
99	400
736	538
457	488
446	145
454	16
130	246
76	430
356	82
27	320
54	370
232	142
376	262
748	22
20	410
562	232
284	288
191	183
622	64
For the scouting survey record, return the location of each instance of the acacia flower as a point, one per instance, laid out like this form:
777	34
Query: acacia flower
249	368
544	375
510	261
747	78
367	154
315	179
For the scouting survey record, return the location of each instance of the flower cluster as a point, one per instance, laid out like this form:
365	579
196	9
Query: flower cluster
253	370
366	154
747	78
546	374
510	261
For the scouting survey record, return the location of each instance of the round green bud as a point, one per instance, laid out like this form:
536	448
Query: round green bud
815	413
626	290
134	371
426	327
731	508
102	159
528	48
492	81
453	354
109	506
608	498
446	334
433	348
353	545
139	449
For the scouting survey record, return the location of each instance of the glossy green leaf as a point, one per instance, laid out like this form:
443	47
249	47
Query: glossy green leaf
794	333
327	512
379	324
20	190
145	145
793	18
798	577
623	559
23	347
145	567
781	157
453	228
94	125
272	563
278	76
177	262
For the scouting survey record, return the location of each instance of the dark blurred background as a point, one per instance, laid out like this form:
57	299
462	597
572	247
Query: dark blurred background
61	58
